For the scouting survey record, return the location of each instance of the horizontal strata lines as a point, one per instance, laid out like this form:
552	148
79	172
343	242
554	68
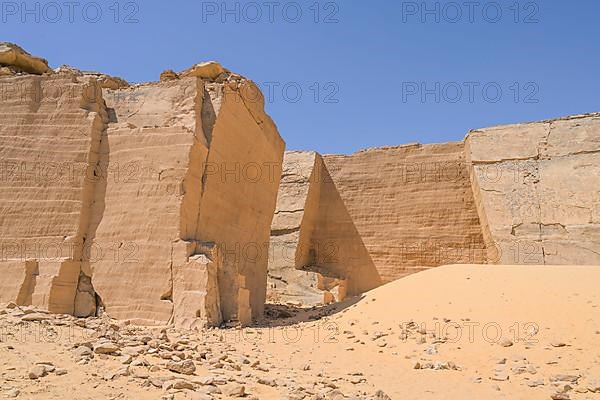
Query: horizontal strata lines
142	146
42	180
71	153
412	205
75	142
41	207
23	203
141	139
46	124
41	114
40	129
10	117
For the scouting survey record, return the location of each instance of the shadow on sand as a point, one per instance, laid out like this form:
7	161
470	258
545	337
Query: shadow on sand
285	315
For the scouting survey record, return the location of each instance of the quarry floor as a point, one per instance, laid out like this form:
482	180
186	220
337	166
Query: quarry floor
453	332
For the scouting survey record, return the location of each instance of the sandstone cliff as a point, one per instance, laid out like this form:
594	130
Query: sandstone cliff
537	188
412	206
156	202
516	194
180	149
50	129
159	196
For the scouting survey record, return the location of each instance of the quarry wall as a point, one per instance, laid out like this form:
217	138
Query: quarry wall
537	190
412	206
161	202
317	255
153	218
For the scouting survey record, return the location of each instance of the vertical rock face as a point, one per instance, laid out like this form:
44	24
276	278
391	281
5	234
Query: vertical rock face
152	201
50	130
240	184
195	162
295	210
412	206
147	149
315	246
537	188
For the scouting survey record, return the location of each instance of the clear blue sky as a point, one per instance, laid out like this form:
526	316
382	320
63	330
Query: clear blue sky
361	65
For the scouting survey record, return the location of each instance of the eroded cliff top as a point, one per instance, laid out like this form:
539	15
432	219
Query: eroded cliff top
15	61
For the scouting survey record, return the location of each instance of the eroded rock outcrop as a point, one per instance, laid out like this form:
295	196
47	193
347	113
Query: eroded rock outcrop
537	188
16	60
316	254
142	193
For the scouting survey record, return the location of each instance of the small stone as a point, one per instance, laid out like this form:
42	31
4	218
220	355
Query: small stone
12	393
267	382
178	384
505	342
560	396
37	372
564	378
233	390
11	305
500	376
380	395
82	351
557	343
105	347
35	317
204	380
186	367
61	371
536	383
335	395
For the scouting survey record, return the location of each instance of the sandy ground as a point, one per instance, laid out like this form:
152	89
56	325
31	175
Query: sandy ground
454	332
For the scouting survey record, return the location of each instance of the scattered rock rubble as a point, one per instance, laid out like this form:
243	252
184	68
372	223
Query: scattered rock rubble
167	360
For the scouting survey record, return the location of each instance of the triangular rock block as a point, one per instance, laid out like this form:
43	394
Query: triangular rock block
315	248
